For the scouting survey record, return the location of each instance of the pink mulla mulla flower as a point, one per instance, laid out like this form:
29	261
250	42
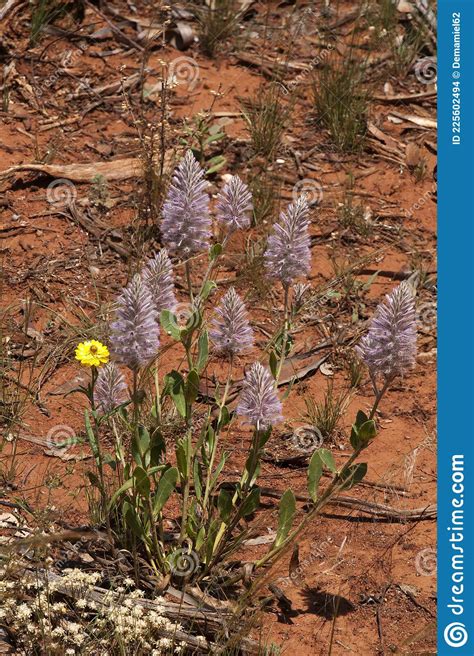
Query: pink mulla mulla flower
109	388
288	254
389	347
231	332
159	278
135	334
186	225
234	205
258	399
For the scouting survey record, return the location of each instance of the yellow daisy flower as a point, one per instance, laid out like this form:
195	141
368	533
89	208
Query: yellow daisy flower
92	353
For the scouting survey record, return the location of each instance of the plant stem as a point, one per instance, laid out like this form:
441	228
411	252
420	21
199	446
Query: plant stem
212	264
216	436
378	398
285	334
187	268
187	482
154	535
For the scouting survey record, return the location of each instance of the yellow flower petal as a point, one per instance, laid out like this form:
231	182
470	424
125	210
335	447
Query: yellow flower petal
92	353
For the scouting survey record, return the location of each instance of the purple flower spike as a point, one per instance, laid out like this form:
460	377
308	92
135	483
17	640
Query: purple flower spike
159	278
288	252
258	400
389	347
109	388
186	225
231	331
135	334
234	205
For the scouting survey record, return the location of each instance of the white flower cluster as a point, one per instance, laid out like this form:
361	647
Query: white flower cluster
89	624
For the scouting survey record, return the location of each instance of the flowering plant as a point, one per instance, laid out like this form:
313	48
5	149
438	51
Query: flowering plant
146	476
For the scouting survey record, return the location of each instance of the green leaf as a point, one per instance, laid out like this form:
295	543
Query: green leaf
215	251
211	538
315	471
214	137
169	323
218	469
123	488
273	362
193	323
123	413
174	385
140	445
181	460
354	475
142	482
355	439
219	163
224	504
91	435
361	418
250	504
200	538
367	431
157	447
210	437
165	488
207	289
264	436
286	512
203	351
132	520
197	475
224	418
327	459
192	386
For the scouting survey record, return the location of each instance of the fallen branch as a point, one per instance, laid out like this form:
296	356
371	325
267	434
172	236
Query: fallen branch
367	507
406	98
119	169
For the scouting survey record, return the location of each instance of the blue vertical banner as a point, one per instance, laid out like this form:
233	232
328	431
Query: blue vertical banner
456	327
